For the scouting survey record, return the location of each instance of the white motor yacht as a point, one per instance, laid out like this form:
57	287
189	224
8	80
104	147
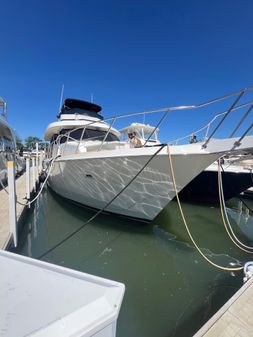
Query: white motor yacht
92	166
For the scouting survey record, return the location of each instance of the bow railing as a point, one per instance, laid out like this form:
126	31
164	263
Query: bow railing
206	128
208	131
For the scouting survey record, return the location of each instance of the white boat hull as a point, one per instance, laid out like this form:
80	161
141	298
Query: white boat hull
94	180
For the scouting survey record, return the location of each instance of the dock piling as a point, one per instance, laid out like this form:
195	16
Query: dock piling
33	175
27	185
36	169
37	162
12	201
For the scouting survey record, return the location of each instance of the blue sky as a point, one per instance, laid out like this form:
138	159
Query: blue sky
132	55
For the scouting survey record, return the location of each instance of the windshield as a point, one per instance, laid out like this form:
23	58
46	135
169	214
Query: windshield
88	134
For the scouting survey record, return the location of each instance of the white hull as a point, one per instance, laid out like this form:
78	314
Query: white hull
94	179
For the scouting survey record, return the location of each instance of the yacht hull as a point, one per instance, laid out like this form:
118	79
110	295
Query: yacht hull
94	180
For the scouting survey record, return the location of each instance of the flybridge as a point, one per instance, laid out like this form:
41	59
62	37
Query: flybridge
73	106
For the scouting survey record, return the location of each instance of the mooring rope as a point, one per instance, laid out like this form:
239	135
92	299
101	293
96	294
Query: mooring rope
29	202
102	209
185	223
41	188
227	224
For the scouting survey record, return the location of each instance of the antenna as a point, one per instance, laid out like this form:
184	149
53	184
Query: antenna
91	97
62	90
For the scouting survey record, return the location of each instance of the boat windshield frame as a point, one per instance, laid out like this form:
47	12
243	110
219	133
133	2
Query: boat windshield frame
84	134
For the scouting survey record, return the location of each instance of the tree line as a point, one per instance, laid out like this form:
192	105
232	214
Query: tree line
29	143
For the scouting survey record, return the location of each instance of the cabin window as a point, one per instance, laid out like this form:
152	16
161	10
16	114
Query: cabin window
99	135
7	144
89	134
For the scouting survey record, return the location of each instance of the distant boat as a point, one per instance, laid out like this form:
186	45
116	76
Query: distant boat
93	167
204	188
7	141
7	144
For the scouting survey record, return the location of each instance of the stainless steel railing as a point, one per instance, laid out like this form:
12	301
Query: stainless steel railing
223	115
241	93
208	125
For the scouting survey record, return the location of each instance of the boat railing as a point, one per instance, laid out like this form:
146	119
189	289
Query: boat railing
206	128
238	97
219	119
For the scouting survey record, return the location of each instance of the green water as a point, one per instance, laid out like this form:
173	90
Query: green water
170	289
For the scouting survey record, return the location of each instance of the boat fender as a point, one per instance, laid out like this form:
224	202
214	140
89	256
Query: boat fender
248	271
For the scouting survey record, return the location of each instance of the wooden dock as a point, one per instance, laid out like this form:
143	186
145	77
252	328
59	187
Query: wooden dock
5	235
235	318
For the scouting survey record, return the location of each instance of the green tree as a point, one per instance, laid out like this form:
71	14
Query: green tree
19	143
30	142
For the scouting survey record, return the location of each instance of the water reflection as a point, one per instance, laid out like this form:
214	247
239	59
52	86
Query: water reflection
241	220
170	290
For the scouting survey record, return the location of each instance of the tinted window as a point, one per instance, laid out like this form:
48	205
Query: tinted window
89	134
8	144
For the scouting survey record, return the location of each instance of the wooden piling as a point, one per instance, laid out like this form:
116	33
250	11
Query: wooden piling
12	201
